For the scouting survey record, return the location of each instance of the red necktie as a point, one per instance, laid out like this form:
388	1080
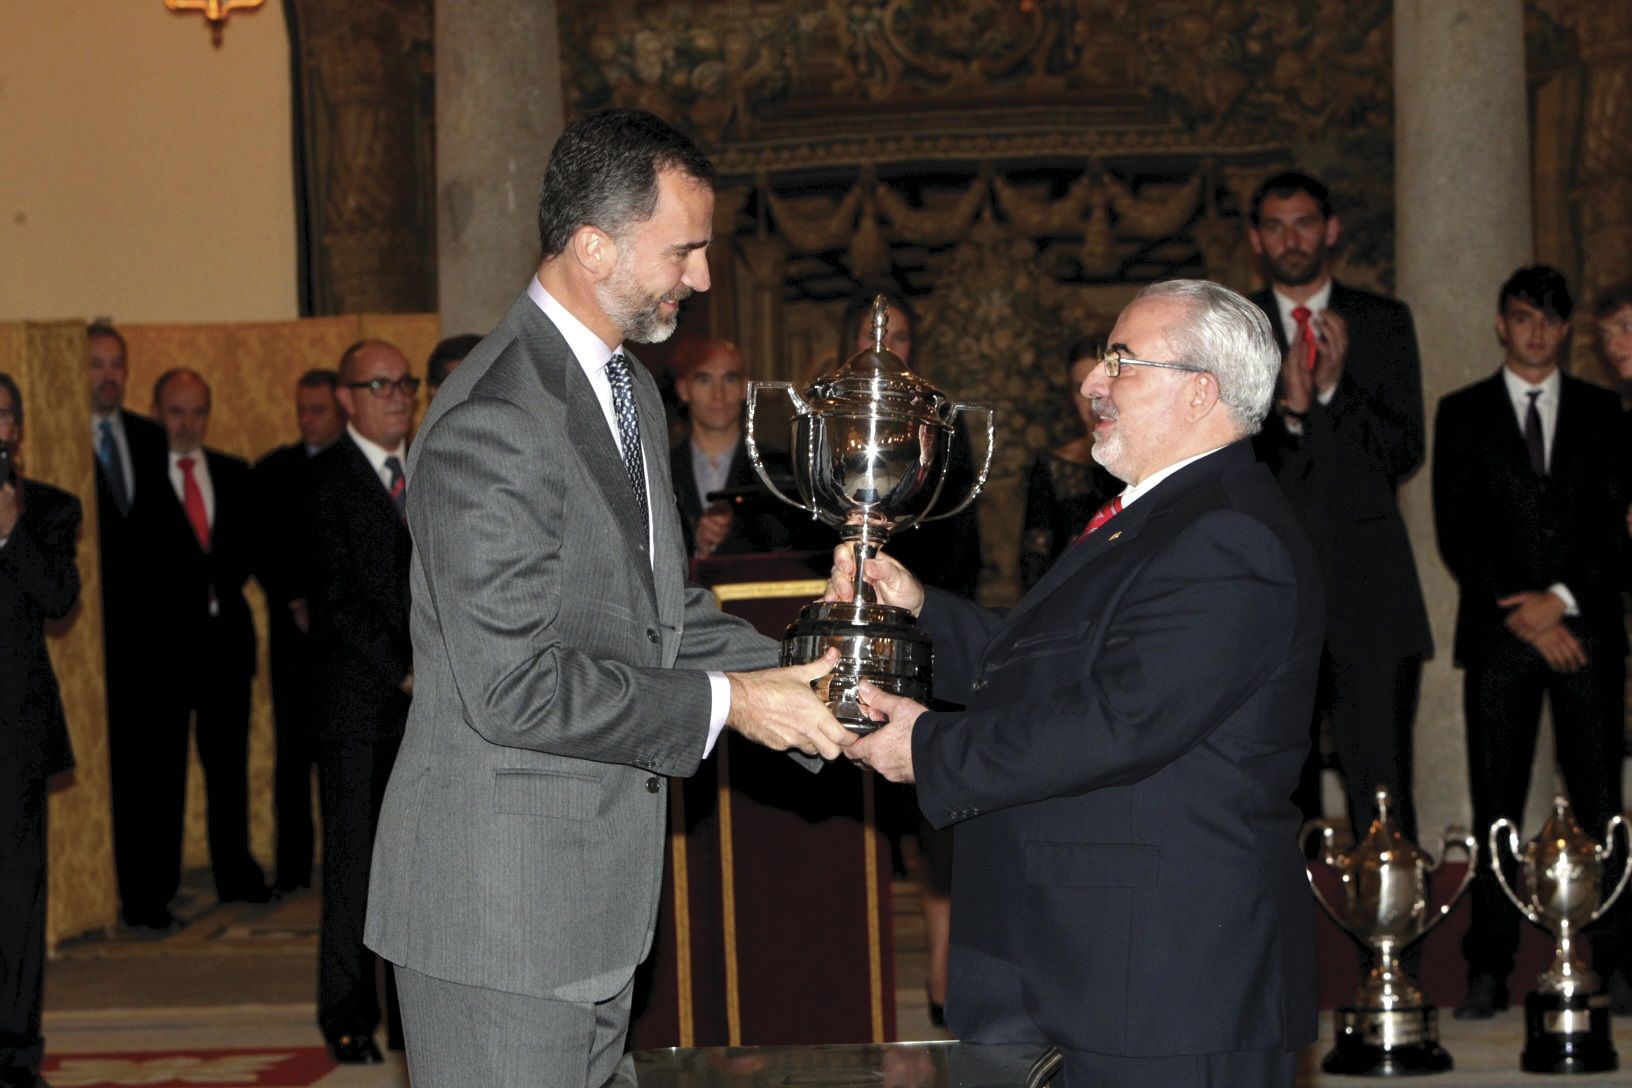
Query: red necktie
192	499
1101	516
1302	315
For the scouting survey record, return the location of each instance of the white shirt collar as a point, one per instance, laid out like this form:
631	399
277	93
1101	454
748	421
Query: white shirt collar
1316	302
1519	390
590	350
1132	492
376	453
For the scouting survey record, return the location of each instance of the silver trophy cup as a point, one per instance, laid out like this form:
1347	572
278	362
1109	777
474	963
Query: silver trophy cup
1388	1028
1566	1018
871	445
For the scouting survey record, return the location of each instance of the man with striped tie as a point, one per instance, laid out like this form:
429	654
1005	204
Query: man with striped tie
363	666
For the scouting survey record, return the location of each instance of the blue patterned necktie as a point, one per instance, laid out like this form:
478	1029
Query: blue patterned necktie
108	453
623	406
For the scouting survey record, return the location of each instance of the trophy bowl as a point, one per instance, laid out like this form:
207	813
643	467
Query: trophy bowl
1561	870
1385	882
871	446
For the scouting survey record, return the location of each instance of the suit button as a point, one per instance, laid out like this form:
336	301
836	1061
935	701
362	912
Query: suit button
978	684
651	635
652	785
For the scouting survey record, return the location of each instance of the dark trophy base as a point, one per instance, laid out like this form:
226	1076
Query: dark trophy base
1386	1043
1567	1034
876	642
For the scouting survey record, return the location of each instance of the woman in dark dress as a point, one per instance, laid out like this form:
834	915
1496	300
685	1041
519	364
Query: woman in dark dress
1066	485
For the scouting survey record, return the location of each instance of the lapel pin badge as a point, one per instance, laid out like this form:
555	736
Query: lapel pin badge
1113	536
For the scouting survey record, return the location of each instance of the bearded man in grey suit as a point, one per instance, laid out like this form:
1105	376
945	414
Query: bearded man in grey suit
560	663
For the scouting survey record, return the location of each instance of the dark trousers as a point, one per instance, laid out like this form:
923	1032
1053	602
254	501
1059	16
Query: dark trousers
1239	1069
295	749
217	706
1372	707
352	775
22	922
142	793
1502	690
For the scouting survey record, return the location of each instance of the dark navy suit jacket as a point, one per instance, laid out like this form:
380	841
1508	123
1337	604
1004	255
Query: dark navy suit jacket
1127	878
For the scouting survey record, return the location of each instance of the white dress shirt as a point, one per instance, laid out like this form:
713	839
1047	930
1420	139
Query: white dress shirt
1132	492
377	454
1518	392
593	354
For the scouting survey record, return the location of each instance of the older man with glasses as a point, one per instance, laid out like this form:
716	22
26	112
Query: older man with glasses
363	667
1128	886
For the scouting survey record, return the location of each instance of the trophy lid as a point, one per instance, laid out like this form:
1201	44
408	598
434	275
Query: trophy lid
877	382
1560	834
1384	841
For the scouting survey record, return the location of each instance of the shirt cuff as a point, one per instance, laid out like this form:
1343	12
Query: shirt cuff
1562	592
1326	397
719	689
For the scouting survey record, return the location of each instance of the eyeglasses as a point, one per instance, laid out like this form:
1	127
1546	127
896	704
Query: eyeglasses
382	387
1113	361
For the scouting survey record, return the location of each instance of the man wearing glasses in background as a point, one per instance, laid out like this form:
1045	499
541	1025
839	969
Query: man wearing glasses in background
363	668
1128	886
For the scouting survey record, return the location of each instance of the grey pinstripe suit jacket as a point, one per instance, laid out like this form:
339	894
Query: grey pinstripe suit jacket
556	682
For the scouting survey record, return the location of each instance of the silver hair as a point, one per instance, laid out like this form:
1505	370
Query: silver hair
1232	338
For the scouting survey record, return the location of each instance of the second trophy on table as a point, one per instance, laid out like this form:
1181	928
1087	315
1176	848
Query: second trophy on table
871	446
1388	1028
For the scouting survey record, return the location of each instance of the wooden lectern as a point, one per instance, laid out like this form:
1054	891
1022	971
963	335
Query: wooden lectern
774	924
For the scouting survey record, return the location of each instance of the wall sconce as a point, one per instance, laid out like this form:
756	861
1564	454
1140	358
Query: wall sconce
215	12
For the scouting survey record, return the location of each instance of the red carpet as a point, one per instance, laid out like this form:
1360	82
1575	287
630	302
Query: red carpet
269	1067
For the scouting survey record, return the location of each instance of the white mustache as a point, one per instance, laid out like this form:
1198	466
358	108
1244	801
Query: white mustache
1102	409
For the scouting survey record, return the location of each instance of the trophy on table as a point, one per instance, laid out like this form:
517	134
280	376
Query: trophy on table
1566	1018
1387	1028
871	446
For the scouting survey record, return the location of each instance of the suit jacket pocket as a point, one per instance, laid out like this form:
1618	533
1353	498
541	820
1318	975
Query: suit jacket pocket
546	793
1092	864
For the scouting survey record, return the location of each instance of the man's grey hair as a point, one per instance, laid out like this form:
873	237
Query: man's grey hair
1232	338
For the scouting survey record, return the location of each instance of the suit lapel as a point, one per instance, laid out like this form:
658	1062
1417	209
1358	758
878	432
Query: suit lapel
1265	301
1509	439
668	577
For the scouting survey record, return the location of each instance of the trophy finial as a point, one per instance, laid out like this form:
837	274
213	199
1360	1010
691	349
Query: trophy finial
1384	801
881	321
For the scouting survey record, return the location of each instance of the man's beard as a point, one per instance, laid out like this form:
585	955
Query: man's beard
640	316
1289	276
1109	449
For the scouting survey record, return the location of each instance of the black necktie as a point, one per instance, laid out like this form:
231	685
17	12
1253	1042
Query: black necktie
398	487
1532	436
623	405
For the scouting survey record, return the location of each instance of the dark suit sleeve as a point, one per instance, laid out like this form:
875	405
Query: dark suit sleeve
368	632
39	557
1202	627
1374	421
1458	521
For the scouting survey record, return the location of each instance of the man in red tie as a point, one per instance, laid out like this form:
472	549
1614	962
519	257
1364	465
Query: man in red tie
1128	886
1346	428
195	538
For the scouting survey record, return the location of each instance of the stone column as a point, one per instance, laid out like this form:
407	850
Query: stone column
498	113
1462	189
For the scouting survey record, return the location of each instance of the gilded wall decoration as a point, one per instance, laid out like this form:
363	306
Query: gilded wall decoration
1078	146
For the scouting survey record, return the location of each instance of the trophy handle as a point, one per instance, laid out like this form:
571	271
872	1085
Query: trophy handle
1496	864
753	446
985	469
1454	837
1325	831
1616	822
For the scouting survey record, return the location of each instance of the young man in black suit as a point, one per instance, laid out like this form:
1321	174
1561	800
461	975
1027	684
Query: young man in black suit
1529	503
710	377
1346	429
129	451
280	480
39	531
1127	884
196	536
363	667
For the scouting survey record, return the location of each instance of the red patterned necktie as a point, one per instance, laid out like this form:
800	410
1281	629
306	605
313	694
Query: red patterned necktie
1101	516
192	500
1302	315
